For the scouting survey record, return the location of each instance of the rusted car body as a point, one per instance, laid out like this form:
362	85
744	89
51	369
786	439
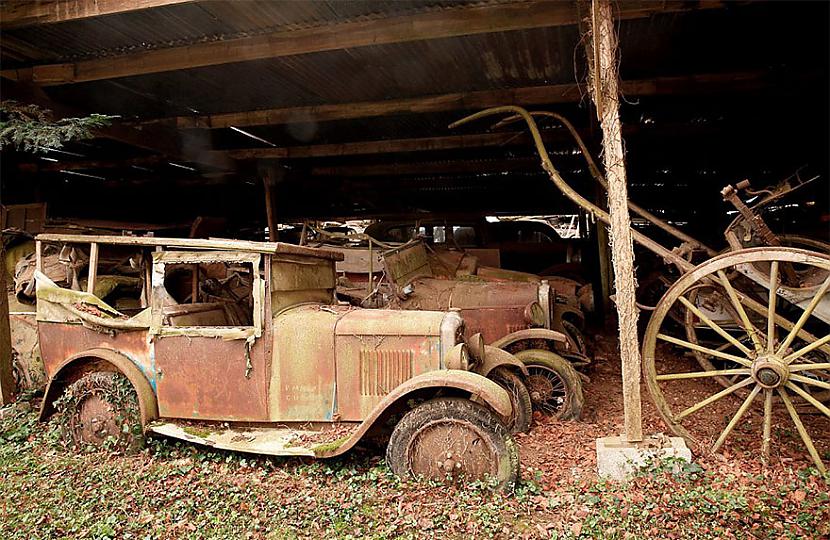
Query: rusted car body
509	311
249	334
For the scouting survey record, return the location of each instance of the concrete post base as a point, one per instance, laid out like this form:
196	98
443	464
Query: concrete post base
618	459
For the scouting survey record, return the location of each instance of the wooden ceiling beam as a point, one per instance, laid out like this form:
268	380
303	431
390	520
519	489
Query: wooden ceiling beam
19	13
526	96
437	24
430	168
421	144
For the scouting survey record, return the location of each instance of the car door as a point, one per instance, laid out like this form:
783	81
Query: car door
207	332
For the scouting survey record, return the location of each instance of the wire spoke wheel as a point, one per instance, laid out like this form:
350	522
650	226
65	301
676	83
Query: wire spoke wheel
554	385
758	377
522	416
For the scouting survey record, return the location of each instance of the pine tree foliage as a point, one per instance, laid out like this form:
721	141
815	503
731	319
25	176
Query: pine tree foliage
30	128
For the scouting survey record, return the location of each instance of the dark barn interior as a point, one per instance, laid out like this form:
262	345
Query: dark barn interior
311	253
714	92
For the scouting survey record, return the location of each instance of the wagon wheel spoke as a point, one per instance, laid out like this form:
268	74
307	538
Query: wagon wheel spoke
804	316
811	347
763	367
767	425
714	326
805	437
809	366
713	398
808	380
706	350
700	374
737	418
773	298
809	398
739	308
783	322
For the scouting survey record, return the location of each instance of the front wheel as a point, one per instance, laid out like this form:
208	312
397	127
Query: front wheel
453	438
554	385
100	410
519	421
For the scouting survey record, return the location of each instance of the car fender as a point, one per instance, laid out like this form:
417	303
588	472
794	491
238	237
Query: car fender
480	389
88	361
495	357
527	334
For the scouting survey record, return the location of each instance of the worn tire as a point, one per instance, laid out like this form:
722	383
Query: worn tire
555	386
522	416
576	336
424	441
100	410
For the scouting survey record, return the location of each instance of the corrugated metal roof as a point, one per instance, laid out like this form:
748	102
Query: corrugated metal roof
189	23
480	62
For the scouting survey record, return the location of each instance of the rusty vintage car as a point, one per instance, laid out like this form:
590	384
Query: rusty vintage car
242	346
517	314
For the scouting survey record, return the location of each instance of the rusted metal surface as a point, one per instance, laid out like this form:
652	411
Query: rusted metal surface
303	359
377	351
59	341
27	364
211	379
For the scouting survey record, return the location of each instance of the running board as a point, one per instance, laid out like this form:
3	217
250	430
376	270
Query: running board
275	441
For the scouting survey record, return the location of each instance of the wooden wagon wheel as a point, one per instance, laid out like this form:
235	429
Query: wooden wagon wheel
774	375
711	298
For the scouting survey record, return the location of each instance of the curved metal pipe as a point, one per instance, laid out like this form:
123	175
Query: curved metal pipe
600	178
563	186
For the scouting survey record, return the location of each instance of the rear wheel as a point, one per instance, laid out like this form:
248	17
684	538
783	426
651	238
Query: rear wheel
100	410
453	438
519	397
554	385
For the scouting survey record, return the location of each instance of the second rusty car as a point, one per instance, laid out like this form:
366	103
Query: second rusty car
242	346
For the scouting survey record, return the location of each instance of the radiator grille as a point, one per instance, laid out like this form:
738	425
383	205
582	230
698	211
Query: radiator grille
382	370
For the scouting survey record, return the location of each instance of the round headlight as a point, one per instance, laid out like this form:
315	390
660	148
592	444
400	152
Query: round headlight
458	358
475	345
535	315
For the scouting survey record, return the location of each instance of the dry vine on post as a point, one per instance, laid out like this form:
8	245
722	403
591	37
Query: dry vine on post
604	79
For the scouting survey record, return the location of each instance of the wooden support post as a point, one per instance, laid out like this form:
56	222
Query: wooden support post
602	59
6	377
268	181
194	292
92	275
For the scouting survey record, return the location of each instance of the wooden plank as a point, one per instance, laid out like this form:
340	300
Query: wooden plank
526	96
190	243
268	183
454	22
449	142
16	14
425	168
87	165
93	268
6	373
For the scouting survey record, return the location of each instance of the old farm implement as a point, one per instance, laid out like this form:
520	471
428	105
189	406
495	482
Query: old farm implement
770	351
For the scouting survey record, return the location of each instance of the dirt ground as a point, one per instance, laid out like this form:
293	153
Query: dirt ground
565	451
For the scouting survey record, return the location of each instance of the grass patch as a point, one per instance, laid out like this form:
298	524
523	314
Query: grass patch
174	489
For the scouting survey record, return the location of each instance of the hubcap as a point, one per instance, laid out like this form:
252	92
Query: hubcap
769	371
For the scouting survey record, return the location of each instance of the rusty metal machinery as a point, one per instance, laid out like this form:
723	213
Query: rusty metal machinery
756	320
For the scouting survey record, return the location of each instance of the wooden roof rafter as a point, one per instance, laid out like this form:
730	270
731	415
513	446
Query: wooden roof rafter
20	13
529	95
451	22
